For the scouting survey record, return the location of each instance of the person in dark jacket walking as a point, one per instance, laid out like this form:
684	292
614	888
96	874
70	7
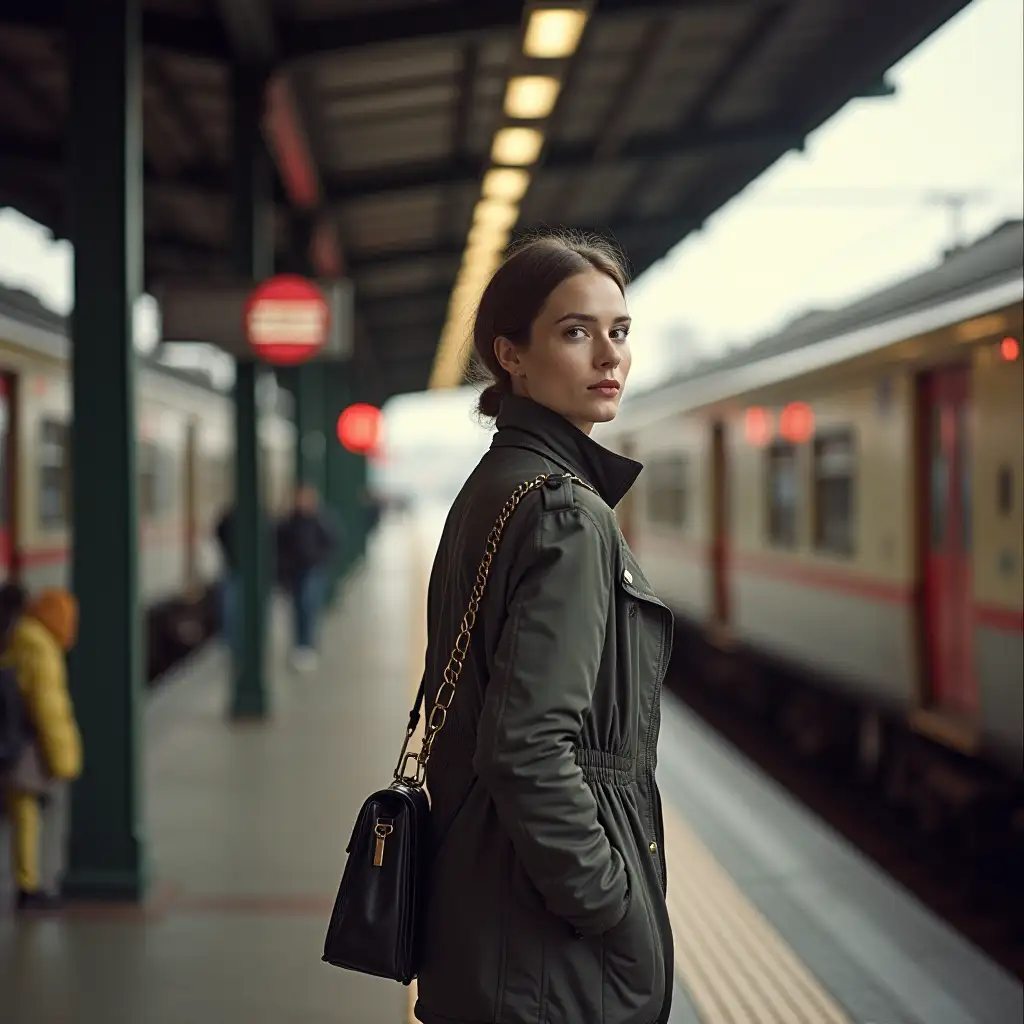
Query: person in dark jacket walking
227	591
305	543
546	893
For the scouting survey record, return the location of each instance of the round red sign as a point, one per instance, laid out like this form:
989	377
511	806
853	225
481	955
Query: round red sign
286	320
359	428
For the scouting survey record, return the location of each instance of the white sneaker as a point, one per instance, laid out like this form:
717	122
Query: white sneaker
304	659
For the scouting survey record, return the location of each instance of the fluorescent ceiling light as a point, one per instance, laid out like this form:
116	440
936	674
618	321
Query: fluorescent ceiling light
482	260
473	279
554	33
477	276
508	183
495	214
516	146
529	96
483	234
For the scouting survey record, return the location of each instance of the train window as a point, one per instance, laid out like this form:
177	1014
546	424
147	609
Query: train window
218	483
667	490
1004	490
54	467
149	485
834	467
782	494
168	485
156	480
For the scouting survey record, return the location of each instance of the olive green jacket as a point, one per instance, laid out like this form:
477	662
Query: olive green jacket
546	900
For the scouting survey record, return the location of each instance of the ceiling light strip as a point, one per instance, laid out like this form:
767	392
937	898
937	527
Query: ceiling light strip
552	32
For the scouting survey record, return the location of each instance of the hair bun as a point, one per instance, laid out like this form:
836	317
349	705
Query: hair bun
489	402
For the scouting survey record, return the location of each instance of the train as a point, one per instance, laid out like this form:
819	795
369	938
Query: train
184	455
834	514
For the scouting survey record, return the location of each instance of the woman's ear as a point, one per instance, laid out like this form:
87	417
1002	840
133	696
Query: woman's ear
507	354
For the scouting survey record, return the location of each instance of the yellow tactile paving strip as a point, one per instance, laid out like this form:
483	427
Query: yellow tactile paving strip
737	968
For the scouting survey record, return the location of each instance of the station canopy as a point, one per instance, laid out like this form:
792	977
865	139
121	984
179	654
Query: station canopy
636	119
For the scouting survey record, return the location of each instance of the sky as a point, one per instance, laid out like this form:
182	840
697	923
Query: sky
853	211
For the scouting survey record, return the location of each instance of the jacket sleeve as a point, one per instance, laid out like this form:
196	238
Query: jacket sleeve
49	710
541	687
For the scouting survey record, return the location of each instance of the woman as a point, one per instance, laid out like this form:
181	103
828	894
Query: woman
546	900
35	651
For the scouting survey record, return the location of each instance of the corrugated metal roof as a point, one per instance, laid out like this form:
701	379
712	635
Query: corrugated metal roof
667	110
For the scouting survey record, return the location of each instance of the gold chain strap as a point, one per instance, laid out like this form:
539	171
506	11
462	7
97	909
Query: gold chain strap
446	691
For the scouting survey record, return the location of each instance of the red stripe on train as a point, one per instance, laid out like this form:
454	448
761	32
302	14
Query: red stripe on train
1007	620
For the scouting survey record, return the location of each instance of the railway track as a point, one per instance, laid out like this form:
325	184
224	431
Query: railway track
968	881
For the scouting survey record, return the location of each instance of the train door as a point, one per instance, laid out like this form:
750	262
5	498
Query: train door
9	549
719	524
948	605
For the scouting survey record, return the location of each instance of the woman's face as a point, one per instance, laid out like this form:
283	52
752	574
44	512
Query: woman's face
578	357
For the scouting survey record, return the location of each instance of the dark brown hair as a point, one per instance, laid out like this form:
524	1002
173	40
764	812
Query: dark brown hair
519	288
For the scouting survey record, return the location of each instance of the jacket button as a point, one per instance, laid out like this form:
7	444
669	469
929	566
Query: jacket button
627	575
654	847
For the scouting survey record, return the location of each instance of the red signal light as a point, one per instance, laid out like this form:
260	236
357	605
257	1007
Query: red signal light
757	425
359	428
1009	349
796	423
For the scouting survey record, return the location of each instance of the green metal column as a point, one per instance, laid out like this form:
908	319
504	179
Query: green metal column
346	472
253	257
106	856
306	381
310	439
336	398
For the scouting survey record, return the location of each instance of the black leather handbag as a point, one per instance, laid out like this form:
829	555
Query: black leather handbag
376	923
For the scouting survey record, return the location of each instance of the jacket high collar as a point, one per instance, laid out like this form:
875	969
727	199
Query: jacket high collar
523	423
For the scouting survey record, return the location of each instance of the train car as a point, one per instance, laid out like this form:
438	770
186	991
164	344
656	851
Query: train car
184	464
840	507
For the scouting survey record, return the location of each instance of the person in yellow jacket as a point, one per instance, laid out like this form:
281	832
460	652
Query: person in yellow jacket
36	651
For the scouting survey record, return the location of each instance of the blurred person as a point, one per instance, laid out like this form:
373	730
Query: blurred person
35	789
225	533
306	540
546	889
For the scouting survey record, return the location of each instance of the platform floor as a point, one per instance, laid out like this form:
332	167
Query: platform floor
246	830
776	920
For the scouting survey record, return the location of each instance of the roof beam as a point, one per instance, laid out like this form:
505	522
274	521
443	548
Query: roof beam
249	28
192	127
49	154
375	259
459	143
460	18
757	135
762	23
660	38
45	109
457	18
255	40
213	38
194	36
635	231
